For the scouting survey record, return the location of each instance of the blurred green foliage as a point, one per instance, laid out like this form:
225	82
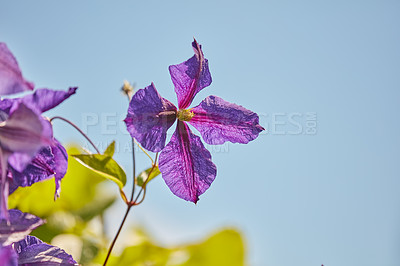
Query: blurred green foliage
222	248
75	223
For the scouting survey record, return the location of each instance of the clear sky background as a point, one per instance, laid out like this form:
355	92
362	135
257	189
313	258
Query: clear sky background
320	187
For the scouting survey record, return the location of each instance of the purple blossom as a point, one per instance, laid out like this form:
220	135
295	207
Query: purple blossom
52	159
11	79
17	247
28	151
185	163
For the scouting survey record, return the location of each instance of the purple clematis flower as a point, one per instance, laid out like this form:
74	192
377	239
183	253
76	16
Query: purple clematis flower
185	163
17	247
11	80
28	151
49	161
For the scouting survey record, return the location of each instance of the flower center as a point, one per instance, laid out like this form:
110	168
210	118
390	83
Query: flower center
184	115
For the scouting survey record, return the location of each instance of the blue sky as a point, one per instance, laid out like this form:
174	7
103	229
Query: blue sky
320	187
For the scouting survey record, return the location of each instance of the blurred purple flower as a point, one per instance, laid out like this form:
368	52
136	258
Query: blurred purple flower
28	151
51	160
17	247
185	163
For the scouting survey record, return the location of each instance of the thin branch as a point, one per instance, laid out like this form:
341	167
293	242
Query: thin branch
116	236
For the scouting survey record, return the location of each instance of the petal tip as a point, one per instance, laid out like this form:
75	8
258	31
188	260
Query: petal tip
30	85
260	128
72	90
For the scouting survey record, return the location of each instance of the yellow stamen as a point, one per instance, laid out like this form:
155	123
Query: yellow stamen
184	115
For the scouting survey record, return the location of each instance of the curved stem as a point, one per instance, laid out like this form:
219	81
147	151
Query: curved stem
140	147
144	185
123	196
134	169
78	129
128	90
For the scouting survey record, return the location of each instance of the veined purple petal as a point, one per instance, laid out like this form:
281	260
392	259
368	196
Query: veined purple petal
186	165
219	121
17	227
190	77
50	161
8	256
149	117
11	79
23	134
32	251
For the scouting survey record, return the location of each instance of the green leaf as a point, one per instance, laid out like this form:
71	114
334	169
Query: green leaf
103	165
143	176
110	149
223	248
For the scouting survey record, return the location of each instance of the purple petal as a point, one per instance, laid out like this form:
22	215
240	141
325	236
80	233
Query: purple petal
23	134
8	256
186	165
17	227
50	161
32	251
61	165
190	77
41	100
219	121
149	117
46	99
11	80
